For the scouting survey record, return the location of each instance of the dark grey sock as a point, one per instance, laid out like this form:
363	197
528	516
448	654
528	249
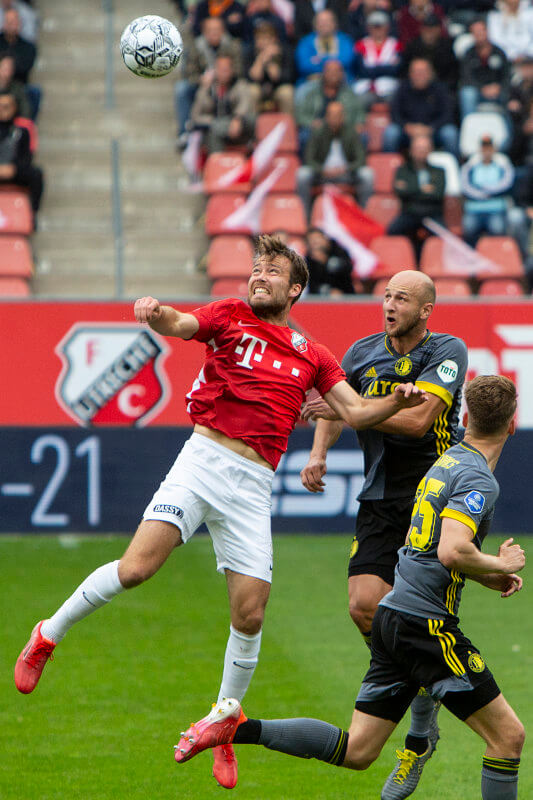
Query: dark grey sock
305	738
499	778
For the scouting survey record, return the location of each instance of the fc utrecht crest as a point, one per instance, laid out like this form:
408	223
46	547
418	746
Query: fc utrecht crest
111	374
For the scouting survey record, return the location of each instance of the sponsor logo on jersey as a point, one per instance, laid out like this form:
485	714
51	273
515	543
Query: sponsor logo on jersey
111	374
475	662
403	366
299	342
163	508
475	501
446	462
447	371
371	373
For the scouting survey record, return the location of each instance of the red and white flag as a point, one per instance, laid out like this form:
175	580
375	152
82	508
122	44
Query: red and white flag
258	161
248	216
457	256
345	222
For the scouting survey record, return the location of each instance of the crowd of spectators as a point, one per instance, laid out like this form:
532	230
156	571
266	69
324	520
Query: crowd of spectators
329	63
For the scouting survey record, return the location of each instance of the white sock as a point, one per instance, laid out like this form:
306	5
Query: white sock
96	590
240	661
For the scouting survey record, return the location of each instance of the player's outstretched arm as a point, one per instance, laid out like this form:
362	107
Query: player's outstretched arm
326	434
457	551
360	413
507	585
165	320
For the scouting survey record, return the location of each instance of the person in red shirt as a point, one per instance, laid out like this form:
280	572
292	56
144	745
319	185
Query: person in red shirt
244	404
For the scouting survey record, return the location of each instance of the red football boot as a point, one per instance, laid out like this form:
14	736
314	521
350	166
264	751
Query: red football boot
225	770
30	663
217	728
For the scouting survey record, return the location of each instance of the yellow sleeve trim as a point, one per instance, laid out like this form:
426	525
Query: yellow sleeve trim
458	515
432	388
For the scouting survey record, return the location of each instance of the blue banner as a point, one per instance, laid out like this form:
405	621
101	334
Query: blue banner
85	480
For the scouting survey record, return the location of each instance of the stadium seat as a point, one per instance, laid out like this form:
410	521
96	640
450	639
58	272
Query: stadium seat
384	166
380	286
383	208
14	287
219	207
265	123
501	287
452	287
218	165
31	127
453	214
475	125
15	213
284	212
15	257
299	244
229	287
503	251
395	253
449	164
375	124
431	259
287	180
229	257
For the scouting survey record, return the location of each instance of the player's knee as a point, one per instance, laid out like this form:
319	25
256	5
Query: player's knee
359	754
249	621
512	739
133	573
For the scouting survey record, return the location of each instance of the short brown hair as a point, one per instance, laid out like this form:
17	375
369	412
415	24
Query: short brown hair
271	246
491	402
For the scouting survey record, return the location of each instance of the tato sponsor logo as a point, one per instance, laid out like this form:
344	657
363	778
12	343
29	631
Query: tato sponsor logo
162	508
447	371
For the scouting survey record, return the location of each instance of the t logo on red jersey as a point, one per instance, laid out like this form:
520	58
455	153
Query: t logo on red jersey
249	351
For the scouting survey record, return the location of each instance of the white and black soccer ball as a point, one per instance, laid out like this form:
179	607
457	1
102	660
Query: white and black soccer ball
151	46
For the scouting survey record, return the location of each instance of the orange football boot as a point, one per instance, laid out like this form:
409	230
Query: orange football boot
225	770
30	663
217	728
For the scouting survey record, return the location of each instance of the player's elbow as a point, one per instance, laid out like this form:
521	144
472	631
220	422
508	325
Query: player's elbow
449	556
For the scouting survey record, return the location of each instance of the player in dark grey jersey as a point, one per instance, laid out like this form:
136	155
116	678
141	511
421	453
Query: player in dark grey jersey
416	640
397	454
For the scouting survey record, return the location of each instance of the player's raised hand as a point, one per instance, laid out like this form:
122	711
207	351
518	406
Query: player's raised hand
512	556
147	309
512	583
318	409
312	474
410	395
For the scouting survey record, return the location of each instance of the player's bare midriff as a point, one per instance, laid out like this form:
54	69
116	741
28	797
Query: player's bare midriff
237	445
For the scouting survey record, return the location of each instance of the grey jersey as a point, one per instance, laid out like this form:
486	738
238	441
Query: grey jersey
459	485
394	464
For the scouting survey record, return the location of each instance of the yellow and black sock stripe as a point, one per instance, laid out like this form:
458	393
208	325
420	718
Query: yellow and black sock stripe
447	642
339	753
504	766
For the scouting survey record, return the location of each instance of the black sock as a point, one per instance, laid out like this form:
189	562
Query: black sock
417	744
248	732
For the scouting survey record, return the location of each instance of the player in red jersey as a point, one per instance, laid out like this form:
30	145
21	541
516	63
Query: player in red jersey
244	404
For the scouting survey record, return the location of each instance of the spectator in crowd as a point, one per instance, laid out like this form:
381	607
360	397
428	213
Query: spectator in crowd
224	110
412	16
258	12
377	61
9	84
520	109
484	72
315	49
334	154
269	70
420	188
358	13
231	11
305	11
28	18
329	265
15	154
421	105
436	48
510	27
12	43
310	110
486	182
199	64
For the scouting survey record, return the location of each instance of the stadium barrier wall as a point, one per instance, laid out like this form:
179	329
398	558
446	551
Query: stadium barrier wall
92	413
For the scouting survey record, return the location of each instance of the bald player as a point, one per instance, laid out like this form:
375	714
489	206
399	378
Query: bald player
397	454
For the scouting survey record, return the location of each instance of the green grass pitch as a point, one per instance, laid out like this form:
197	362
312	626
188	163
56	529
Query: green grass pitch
103	721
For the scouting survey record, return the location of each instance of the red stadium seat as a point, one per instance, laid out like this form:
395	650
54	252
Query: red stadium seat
284	212
31	127
504	252
218	165
15	213
380	286
453	214
452	287
229	287
14	287
265	123
15	257
431	259
383	208
219	207
299	244
229	257
375	124
384	166
395	253
501	287
287	180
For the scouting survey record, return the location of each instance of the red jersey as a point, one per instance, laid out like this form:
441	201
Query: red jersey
255	376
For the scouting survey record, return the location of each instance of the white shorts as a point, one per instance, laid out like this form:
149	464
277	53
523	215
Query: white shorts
231	494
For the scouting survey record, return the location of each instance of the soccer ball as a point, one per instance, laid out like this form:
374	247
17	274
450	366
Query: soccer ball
151	46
